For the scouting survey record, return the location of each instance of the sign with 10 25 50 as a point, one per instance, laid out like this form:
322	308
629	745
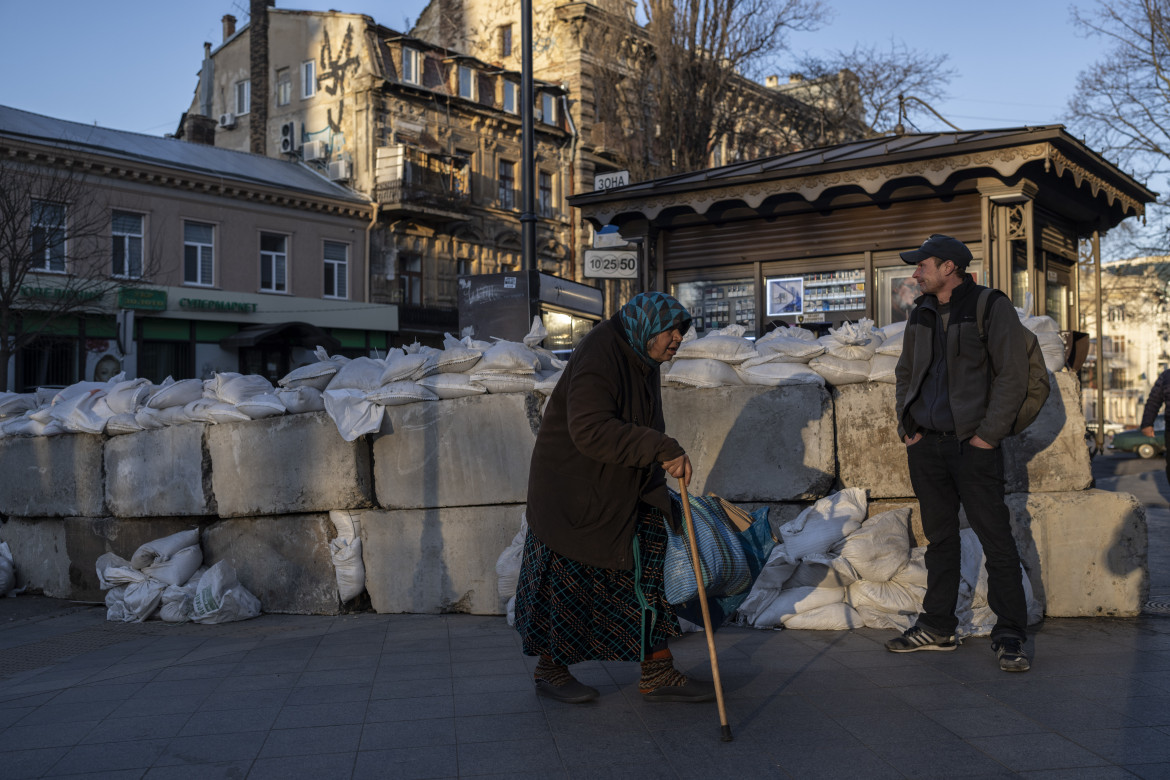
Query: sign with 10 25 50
611	263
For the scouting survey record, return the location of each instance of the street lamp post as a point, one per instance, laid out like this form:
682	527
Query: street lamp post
528	151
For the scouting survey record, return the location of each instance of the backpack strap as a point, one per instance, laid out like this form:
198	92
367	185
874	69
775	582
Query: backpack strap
983	310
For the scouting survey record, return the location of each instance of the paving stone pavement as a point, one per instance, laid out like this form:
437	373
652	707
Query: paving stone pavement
450	696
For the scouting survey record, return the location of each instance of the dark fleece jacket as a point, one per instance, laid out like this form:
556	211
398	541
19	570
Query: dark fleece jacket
599	450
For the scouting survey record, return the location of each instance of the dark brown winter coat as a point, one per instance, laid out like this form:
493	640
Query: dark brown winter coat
599	450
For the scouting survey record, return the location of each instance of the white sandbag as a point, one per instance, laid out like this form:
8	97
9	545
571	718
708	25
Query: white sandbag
893	336
446	386
701	372
775	571
346	551
218	412
121	424
823	570
79	414
820	526
201	410
116	604
162	549
782	349
891	621
887	596
261	406
508	356
172	393
15	404
400	366
147	418
512	611
25	425
125	397
314	375
178	415
794	601
1052	348
508	564
301	399
7	571
353	415
536	333
853	340
221	598
830	617
776	374
114	570
232	388
363	374
178	601
882	367
177	568
546	383
504	382
725	344
401	392
140	599
456	357
839	371
881	546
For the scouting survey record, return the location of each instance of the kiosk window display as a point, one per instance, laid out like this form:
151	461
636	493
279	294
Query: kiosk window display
824	295
716	305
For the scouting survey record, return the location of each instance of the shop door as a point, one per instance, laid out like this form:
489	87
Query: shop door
270	362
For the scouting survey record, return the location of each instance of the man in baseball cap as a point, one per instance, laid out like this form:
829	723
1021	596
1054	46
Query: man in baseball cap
942	247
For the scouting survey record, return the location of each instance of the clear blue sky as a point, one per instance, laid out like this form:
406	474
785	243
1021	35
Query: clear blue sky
132	64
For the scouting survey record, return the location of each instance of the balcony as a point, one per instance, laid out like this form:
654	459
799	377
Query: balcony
419	200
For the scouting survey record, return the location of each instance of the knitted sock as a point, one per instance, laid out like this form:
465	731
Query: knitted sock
658	672
552	673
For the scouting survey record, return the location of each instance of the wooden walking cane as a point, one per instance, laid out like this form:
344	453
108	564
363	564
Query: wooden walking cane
725	730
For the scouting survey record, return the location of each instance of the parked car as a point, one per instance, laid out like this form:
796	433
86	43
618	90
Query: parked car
1145	446
1111	428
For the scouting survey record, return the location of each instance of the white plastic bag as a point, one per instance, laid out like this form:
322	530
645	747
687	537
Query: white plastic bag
220	598
508	564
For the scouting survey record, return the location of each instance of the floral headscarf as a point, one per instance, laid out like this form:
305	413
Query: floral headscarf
648	314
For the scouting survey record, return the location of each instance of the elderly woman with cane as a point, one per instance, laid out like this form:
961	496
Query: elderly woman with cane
591	582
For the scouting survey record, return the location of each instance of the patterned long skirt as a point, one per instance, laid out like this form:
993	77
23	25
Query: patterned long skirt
574	612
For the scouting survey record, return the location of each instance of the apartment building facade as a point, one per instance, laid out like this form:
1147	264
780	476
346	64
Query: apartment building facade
191	259
429	135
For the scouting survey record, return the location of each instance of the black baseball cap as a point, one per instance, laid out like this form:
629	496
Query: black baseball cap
942	247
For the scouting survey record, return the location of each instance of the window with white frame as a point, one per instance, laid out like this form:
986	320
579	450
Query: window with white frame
243	97
511	95
411	72
198	253
308	79
283	87
47	220
336	267
466	82
548	108
273	262
126	231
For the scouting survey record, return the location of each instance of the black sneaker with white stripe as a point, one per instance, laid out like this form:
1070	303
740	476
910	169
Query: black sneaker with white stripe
1010	652
921	638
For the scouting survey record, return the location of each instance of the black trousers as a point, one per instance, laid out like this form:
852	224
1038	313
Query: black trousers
946	472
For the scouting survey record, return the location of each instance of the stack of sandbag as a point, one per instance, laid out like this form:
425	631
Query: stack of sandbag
782	358
838	571
167	575
849	351
709	361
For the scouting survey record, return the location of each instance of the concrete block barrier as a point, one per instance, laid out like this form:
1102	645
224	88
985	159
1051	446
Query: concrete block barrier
52	476
290	464
753	443
40	555
160	472
462	452
283	560
437	560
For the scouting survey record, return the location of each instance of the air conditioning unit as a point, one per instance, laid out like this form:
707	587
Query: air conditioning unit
227	121
339	170
288	138
315	150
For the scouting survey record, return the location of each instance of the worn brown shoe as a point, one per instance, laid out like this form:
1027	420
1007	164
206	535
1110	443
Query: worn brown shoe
690	690
572	691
